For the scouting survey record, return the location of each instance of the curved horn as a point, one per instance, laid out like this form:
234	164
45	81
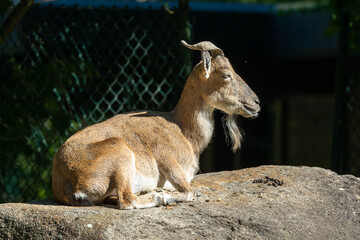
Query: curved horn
204	46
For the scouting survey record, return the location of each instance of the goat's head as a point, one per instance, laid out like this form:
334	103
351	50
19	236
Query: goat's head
223	88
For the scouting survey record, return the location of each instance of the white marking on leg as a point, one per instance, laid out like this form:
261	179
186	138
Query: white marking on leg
189	197
169	186
146	205
128	207
141	182
164	198
80	195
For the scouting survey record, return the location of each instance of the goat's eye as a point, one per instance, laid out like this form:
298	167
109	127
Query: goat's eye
226	77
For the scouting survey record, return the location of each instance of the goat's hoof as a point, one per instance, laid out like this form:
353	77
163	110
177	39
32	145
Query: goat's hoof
125	206
164	198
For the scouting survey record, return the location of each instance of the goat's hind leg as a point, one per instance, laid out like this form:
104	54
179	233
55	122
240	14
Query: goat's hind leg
127	200
174	173
124	176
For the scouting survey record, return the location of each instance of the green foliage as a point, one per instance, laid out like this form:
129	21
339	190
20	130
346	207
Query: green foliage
346	16
34	123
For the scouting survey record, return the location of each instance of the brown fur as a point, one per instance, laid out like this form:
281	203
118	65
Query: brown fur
140	151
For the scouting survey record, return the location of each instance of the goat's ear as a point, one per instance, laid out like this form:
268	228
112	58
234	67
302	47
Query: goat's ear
207	62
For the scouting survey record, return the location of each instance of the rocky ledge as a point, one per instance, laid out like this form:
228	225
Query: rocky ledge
268	202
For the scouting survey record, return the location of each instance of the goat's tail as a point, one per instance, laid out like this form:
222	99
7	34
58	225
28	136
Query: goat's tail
63	192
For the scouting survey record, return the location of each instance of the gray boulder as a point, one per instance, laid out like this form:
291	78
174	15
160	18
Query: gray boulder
268	202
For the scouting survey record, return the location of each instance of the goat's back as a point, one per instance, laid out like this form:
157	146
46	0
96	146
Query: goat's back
143	132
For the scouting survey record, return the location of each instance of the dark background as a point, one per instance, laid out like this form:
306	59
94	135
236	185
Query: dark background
290	63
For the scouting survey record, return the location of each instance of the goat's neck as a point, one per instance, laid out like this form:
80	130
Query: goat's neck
194	117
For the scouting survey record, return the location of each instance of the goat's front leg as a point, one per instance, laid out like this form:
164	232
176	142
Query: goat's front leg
174	173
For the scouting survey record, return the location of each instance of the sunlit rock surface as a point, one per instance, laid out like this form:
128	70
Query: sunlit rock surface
268	202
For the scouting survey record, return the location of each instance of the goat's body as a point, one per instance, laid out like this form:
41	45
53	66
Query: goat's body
134	153
124	140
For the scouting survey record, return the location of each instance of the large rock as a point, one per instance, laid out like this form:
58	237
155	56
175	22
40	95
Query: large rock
312	203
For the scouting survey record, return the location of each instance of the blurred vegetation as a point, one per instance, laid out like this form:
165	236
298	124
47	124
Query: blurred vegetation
29	135
34	108
346	19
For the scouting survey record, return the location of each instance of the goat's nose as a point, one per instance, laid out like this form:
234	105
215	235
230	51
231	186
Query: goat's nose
257	101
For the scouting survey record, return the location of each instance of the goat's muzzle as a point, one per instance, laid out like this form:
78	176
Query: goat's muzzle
251	110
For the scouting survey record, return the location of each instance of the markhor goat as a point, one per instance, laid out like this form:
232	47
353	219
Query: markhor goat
130	155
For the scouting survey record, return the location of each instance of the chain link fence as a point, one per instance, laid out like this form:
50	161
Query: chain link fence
64	68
